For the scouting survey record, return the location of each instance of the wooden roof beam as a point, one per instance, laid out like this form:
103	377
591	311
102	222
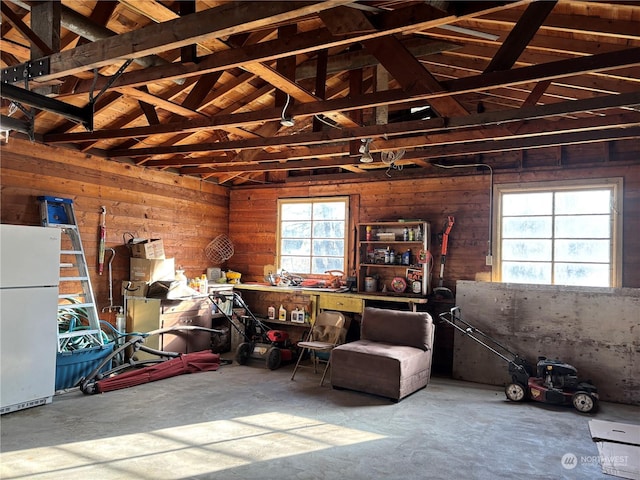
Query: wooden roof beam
535	129
418	47
9	46
217	22
520	35
143	95
394	56
474	83
149	110
421	126
415	17
88	28
24	30
488	146
578	24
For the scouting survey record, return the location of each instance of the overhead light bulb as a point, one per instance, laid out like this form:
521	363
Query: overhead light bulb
364	150
366	158
364	147
287	122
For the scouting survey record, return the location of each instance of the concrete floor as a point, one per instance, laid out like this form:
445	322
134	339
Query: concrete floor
246	422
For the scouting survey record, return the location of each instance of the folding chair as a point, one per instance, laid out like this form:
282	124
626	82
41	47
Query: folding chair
325	335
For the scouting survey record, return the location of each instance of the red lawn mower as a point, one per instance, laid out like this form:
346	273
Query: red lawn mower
551	381
261	342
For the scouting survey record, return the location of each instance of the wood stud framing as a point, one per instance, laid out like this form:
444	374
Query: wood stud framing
207	89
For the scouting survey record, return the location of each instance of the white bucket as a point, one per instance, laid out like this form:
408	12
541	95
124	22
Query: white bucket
370	284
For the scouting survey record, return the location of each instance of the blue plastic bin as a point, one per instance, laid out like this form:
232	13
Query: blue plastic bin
72	366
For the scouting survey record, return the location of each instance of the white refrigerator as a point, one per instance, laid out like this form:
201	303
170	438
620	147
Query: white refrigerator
29	277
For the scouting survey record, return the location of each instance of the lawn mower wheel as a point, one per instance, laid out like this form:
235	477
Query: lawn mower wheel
243	352
584	402
273	358
515	392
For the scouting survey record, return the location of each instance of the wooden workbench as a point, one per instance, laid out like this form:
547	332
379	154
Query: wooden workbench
318	299
260	296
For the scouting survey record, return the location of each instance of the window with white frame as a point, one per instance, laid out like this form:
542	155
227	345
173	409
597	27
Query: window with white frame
313	234
560	233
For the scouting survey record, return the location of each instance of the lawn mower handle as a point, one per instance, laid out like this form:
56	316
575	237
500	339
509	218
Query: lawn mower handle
454	318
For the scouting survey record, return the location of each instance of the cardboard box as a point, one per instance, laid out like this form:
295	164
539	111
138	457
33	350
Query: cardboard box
618	448
134	289
152	249
145	270
386	236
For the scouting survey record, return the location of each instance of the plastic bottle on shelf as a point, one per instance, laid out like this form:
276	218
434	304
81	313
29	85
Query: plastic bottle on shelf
204	284
370	254
282	313
406	257
405	234
412	234
387	255
271	312
369	234
419	234
392	256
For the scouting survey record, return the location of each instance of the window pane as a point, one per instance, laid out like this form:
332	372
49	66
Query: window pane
328	211
295	264
523	272
559	233
582	250
585	201
310	228
295	229
583	226
526	227
299	246
582	274
296	211
328	248
527	203
539	250
327	229
323	264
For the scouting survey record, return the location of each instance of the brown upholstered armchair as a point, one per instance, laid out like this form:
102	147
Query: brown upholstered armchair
392	358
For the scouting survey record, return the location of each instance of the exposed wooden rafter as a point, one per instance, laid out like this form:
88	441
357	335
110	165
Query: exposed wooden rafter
208	87
464	85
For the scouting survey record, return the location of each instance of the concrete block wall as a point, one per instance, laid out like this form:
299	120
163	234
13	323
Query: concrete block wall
597	330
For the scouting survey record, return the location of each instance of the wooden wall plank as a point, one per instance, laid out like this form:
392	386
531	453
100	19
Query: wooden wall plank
185	212
464	195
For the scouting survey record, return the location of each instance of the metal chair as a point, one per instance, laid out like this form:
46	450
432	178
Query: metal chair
327	332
